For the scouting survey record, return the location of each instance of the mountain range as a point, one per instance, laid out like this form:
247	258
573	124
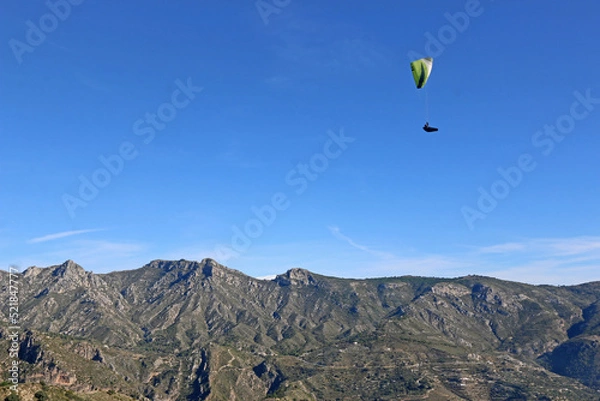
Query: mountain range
197	330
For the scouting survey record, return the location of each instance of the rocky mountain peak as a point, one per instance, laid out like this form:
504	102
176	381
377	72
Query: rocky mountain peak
296	276
168	265
69	269
209	266
183	264
32	271
205	269
67	277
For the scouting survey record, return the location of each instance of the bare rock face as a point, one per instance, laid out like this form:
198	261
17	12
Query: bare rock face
188	330
295	277
450	290
29	351
269	374
32	352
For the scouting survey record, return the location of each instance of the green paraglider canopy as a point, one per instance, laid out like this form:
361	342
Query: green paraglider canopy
421	70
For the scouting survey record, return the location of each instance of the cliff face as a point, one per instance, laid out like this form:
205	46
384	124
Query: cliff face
176	330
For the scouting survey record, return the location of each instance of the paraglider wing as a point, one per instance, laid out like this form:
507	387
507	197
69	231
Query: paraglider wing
421	70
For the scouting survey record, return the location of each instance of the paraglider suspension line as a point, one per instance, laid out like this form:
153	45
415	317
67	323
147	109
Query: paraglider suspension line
426	106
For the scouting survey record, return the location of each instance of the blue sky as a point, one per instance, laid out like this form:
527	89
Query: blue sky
278	134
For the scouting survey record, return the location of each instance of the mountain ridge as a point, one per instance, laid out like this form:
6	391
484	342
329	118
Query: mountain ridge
200	330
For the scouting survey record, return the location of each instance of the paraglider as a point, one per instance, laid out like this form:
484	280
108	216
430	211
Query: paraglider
421	70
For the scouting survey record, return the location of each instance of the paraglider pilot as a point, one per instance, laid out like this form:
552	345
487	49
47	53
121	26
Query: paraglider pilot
427	128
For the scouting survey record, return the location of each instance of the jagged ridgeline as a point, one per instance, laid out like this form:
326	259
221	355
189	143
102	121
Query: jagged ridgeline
183	330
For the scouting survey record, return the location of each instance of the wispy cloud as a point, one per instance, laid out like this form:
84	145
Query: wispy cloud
338	234
568	260
548	272
63	234
571	246
556	261
579	247
411	263
502	248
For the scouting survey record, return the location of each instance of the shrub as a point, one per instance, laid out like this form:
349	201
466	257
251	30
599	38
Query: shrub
41	396
12	397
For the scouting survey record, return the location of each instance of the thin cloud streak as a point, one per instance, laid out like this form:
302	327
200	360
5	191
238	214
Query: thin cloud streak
391	264
63	234
337	233
573	246
549	273
502	248
547	246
